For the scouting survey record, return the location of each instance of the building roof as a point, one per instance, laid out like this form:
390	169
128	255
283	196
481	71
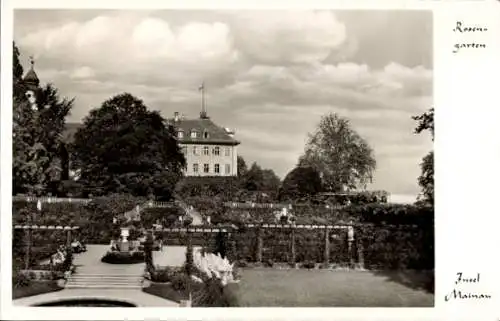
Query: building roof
216	134
31	78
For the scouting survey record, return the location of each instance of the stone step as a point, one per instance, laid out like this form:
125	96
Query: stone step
102	275
103	286
105	282
97	280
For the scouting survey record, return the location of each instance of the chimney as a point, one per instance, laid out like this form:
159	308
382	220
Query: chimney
176	117
229	132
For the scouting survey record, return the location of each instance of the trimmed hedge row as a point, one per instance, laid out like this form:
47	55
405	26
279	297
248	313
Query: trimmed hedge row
123	257
95	219
167	216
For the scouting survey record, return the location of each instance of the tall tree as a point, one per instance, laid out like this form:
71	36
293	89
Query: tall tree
425	122
270	181
38	123
253	179
242	166
123	147
299	182
339	154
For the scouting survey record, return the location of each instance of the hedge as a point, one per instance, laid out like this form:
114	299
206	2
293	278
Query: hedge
388	235
166	216
116	257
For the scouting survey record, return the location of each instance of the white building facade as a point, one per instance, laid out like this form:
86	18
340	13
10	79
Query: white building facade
210	150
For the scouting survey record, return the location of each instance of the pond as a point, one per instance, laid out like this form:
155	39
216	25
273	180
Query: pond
87	303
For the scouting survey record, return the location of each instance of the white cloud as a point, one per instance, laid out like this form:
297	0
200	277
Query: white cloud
84	72
145	44
286	37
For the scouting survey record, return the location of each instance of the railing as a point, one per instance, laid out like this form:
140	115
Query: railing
49	199
276	205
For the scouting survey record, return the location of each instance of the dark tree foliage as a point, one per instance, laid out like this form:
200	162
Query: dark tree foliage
253	180
426	179
343	158
37	129
123	147
17	73
302	181
242	166
258	179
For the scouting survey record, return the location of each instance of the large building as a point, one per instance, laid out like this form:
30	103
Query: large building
210	150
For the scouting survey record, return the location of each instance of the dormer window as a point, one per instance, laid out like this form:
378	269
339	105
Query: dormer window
180	134
205	134
194	134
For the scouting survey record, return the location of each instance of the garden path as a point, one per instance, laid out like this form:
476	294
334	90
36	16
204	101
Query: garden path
171	255
96	280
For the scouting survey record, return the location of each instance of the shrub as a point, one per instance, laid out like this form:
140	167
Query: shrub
242	263
309	265
164	275
20	280
211	293
123	257
269	263
180	282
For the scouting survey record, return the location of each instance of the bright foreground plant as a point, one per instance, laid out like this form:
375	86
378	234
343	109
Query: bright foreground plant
213	266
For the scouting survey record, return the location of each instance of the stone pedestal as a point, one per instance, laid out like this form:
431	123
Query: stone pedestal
124	246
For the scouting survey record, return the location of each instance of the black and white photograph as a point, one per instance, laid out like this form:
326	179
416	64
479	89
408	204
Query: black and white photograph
222	158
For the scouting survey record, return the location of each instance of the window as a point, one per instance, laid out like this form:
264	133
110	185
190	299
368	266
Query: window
194	134
195	168
206	150
217	169
228	151
206	168
180	134
195	150
228	169
216	150
205	134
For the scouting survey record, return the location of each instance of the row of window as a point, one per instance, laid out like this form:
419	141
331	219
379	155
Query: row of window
206	150
194	134
206	168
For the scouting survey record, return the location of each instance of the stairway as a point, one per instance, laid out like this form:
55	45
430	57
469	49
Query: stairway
91	273
104	281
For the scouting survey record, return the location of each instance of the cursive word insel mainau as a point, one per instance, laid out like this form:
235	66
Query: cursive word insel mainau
462	279
459	295
462	295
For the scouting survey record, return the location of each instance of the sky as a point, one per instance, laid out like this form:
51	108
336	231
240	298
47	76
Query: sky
269	75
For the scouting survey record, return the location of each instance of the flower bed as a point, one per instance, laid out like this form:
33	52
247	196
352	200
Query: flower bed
209	285
35	288
115	257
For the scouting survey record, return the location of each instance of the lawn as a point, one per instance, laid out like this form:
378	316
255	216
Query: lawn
35	288
322	288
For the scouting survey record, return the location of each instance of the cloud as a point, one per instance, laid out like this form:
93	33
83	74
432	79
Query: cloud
84	72
126	45
288	37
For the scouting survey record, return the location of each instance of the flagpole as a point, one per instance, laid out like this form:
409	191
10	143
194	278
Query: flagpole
203	107
203	98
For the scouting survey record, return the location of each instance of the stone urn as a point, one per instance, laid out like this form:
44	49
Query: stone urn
124	243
